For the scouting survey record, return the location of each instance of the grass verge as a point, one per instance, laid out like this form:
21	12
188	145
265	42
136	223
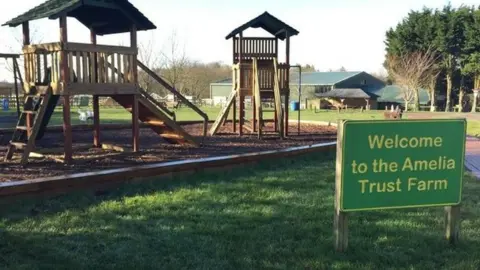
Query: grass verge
276	215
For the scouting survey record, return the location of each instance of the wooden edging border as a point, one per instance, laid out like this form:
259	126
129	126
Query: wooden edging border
112	177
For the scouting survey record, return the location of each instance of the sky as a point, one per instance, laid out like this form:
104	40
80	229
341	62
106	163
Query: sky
333	33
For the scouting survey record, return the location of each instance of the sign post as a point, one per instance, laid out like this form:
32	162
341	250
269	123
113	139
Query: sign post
393	164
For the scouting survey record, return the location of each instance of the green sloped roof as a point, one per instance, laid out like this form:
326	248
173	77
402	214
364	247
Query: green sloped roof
104	17
224	81
347	93
393	93
323	78
313	78
269	23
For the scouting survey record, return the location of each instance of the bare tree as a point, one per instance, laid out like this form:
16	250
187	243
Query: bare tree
150	58
35	38
174	63
409	71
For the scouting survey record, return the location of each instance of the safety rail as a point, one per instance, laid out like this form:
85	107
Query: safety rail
172	90
84	64
158	104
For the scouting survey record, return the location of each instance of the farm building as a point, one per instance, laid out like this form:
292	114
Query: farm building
312	83
357	89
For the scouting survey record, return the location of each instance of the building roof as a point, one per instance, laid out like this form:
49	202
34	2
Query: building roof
269	23
347	93
323	78
104	17
313	78
224	81
393	93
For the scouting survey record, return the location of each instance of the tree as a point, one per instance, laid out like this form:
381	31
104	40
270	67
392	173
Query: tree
382	75
174	62
454	35
410	70
449	41
35	38
150	58
471	49
430	83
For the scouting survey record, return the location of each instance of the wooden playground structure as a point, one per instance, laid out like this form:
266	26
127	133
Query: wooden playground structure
257	73
54	72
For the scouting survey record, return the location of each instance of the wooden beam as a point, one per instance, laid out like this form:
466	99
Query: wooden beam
9	55
241	99
96	121
85	47
96	106
26	42
65	77
101	89
135	129
26	34
15	81
287	75
133	44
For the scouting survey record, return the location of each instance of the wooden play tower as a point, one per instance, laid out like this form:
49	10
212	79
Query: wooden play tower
257	73
56	71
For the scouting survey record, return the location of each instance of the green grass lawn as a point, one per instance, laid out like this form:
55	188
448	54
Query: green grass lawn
273	216
120	115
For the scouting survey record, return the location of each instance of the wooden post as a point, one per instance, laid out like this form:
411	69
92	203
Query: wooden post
234	113
65	78
452	223
96	105
96	122
287	76
340	221
133	44
135	126
241	99
15	79
26	41
275	118
254	114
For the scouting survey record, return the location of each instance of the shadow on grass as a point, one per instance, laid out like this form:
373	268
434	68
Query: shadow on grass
275	215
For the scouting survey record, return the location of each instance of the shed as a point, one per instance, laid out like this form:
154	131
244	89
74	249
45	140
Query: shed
351	97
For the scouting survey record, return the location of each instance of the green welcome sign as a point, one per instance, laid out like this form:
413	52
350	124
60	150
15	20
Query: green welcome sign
400	163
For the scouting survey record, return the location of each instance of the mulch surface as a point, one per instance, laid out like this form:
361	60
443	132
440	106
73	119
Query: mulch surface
153	149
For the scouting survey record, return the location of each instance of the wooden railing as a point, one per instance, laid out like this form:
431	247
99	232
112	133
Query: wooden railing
86	63
37	61
260	48
174	91
265	75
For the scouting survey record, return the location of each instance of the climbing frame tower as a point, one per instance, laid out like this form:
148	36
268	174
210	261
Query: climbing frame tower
258	74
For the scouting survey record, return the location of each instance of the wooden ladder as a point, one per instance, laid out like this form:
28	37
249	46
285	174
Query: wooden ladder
32	115
224	113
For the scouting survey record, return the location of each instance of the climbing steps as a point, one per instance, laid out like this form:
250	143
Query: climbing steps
224	113
155	116
258	95
31	123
